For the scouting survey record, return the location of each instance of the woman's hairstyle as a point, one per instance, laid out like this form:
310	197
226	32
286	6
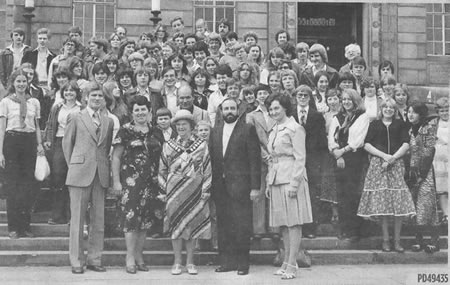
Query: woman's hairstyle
143	45
200	71
285	61
342	76
366	83
358	60
12	78
201	46
166	69
178	35
61	71
321	50
276	73
301	46
111	58
139	71
402	88
284	101
111	37
161	28
285	73
184	69
385	63
388	79
252	77
387	102
352	50
318	75
172	45
35	80
224	69
332	93
74	61
259	59
147	35
72	84
275	52
189	36
121	73
187	49
288	37
210	58
420	108
150	61
358	102
231	81
140	101
124	44
250	35
98	67
203	123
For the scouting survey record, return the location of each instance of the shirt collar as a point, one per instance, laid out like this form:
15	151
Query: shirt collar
91	112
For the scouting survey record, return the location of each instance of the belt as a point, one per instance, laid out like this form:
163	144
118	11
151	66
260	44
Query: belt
17	133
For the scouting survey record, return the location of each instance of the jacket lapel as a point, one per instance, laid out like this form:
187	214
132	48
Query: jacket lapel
230	141
104	119
87	120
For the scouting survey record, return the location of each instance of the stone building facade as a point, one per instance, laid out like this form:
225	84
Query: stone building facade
414	36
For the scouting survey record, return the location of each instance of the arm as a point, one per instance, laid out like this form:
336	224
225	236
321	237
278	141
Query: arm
163	171
429	144
374	151
68	141
115	167
357	132
2	139
332	143
48	134
207	174
212	108
254	158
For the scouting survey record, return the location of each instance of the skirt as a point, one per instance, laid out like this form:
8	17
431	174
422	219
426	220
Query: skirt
385	191
328	184
286	211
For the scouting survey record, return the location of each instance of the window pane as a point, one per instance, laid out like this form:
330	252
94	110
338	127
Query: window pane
437	21
78	10
429	34
447	35
447	49
220	3
198	13
438	34
447	8
209	14
230	15
447	21
99	11
429	20
438	48
110	11
109	26
429	8
438	7
88	10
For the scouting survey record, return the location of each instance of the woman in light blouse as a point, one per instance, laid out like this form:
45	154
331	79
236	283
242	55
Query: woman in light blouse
287	186
20	142
54	133
346	136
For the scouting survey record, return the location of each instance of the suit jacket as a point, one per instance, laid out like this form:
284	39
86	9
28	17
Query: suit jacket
240	168
86	154
316	136
31	56
256	118
307	77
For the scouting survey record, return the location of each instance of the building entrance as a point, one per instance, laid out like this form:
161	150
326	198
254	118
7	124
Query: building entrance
333	25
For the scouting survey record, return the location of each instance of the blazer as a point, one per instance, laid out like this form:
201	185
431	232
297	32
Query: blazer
31	56
256	118
316	136
86	154
200	114
307	77
7	64
240	167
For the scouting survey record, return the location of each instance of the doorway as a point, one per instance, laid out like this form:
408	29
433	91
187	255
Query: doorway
334	25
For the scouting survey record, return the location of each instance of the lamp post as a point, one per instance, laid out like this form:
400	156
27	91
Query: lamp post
28	15
156	10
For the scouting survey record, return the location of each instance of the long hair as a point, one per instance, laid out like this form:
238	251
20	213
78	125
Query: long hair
203	72
252	77
12	78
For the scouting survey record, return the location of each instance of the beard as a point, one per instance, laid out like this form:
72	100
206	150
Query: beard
230	118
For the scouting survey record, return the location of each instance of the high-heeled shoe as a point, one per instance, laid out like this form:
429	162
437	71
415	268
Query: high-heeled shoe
282	269
131	269
398	247
291	272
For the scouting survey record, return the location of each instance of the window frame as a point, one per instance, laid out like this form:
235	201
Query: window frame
213	4
95	3
444	41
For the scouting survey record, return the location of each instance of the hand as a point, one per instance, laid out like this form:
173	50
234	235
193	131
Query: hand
292	193
116	190
338	153
2	161
205	196
162	197
40	150
340	163
254	194
47	145
385	165
267	192
391	160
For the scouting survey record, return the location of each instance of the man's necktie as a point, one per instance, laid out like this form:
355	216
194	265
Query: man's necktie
97	122
303	116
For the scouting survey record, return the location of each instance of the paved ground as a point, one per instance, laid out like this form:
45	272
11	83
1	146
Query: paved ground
259	275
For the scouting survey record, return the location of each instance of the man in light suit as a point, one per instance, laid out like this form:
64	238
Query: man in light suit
263	124
236	180
186	101
86	145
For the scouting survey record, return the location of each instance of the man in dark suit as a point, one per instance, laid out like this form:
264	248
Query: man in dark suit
86	146
236	181
316	149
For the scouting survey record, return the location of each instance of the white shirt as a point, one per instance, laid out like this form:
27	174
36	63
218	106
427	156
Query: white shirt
63	115
215	99
227	131
172	101
264	112
299	113
314	70
17	54
167	134
371	105
41	65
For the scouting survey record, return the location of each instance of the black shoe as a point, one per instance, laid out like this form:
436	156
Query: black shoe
142	267
96	268
77	270
311	236
13	235
27	234
242	272
222	268
131	269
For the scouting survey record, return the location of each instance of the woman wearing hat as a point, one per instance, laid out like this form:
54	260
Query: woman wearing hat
440	162
136	153
185	178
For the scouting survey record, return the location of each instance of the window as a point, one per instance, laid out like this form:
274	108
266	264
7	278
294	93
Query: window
438	29
94	17
212	11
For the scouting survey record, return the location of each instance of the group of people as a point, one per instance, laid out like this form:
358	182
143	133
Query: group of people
201	136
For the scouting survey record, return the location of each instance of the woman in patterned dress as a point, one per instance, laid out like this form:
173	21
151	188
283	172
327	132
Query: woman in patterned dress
440	162
385	191
136	154
421	174
185	178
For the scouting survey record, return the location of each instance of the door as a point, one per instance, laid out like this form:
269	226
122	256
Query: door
334	25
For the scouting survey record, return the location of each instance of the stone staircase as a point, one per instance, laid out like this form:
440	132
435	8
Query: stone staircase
50	248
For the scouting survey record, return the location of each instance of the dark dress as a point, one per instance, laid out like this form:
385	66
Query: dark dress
139	205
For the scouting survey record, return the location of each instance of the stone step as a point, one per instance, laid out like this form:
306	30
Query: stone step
40	217
162	244
318	257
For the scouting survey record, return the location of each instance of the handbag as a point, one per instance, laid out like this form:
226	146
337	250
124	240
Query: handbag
42	169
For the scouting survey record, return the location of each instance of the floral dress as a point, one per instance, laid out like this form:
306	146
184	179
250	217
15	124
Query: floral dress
139	205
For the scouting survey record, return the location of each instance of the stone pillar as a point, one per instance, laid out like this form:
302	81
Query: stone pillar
291	20
372	41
